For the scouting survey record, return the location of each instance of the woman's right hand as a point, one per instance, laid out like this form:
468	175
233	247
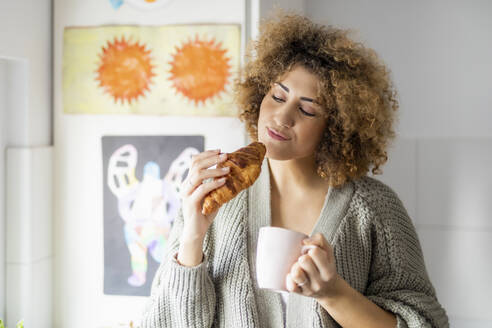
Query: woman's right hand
194	191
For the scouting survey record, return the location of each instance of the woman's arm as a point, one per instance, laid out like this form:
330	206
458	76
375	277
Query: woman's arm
315	274
398	281
352	309
181	296
190	252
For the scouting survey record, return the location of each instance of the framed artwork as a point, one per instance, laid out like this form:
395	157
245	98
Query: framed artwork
184	70
142	180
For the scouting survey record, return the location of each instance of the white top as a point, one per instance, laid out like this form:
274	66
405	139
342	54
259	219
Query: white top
284	299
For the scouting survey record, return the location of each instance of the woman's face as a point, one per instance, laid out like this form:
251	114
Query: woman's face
290	109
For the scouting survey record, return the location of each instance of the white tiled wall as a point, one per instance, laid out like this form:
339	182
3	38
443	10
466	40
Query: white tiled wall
400	173
446	186
454	213
455	182
459	265
29	293
457	322
29	253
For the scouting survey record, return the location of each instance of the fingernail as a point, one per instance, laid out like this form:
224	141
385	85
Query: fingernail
221	180
225	169
223	156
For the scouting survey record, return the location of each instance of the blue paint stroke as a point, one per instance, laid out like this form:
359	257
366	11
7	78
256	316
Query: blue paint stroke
116	3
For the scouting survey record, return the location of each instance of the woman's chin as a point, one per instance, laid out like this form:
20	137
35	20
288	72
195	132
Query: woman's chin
277	154
275	150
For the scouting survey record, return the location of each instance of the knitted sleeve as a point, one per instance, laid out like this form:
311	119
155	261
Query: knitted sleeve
181	297
398	280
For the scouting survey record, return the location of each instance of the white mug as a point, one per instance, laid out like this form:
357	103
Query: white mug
277	250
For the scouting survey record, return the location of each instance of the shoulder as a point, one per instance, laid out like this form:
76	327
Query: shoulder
377	200
381	213
374	190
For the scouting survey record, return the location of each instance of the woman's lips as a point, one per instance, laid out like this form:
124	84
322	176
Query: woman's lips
275	136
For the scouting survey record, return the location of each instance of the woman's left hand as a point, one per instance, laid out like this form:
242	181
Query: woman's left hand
315	273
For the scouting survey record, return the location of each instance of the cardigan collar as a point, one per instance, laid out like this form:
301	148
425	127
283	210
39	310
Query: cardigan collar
299	308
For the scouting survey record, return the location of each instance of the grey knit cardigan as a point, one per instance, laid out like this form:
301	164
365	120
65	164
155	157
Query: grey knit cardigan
376	249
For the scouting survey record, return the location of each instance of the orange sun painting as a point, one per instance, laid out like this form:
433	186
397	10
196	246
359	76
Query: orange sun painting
200	69
125	70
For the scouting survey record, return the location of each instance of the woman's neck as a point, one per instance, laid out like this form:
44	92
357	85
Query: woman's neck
295	177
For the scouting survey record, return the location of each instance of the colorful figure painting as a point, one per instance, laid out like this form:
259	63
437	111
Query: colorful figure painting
180	70
142	179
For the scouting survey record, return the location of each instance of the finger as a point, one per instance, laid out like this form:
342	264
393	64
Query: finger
197	175
307	265
322	261
190	183
291	284
212	173
202	155
186	187
206	188
317	239
298	275
306	248
206	162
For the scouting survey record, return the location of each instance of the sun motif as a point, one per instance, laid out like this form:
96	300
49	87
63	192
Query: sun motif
200	69
125	71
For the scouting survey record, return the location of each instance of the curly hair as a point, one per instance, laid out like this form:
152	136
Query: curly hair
355	91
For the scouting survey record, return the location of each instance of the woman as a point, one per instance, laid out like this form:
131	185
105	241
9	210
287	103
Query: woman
324	107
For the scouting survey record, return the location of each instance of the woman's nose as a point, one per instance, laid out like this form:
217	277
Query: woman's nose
285	116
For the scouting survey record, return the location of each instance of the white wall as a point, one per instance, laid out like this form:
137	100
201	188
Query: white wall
25	105
261	9
25	31
3	145
78	234
439	52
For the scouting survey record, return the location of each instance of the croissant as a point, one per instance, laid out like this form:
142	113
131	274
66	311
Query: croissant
245	167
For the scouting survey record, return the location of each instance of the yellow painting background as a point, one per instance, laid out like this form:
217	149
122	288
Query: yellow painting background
82	47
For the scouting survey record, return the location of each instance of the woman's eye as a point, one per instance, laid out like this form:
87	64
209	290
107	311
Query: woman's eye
277	99
305	113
